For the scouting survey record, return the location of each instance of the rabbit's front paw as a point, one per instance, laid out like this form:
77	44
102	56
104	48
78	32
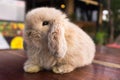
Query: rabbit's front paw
62	69
32	68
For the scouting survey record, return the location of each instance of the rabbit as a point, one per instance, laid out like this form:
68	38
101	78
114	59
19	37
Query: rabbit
54	43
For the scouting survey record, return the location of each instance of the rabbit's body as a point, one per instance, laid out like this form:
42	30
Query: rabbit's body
60	45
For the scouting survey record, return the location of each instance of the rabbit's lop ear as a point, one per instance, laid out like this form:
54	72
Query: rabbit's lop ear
56	41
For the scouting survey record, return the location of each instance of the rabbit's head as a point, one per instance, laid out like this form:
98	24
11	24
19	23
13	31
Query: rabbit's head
46	24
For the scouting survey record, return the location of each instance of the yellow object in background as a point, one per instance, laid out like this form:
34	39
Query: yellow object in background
17	43
62	6
21	26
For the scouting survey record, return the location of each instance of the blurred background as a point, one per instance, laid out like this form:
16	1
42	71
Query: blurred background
99	18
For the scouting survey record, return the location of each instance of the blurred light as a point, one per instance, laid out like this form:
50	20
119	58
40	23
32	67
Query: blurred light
118	10
105	15
105	12
62	6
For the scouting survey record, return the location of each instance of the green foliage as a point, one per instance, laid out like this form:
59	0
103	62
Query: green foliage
100	38
104	33
115	7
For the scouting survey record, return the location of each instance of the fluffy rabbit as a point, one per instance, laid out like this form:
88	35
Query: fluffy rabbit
54	43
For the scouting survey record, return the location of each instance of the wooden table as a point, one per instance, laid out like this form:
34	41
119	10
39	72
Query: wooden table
105	67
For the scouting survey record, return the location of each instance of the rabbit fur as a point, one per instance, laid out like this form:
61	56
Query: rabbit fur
54	43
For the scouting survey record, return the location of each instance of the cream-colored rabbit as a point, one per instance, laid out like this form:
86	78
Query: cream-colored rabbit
53	42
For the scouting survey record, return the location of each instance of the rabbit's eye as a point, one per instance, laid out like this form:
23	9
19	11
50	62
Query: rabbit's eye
45	23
